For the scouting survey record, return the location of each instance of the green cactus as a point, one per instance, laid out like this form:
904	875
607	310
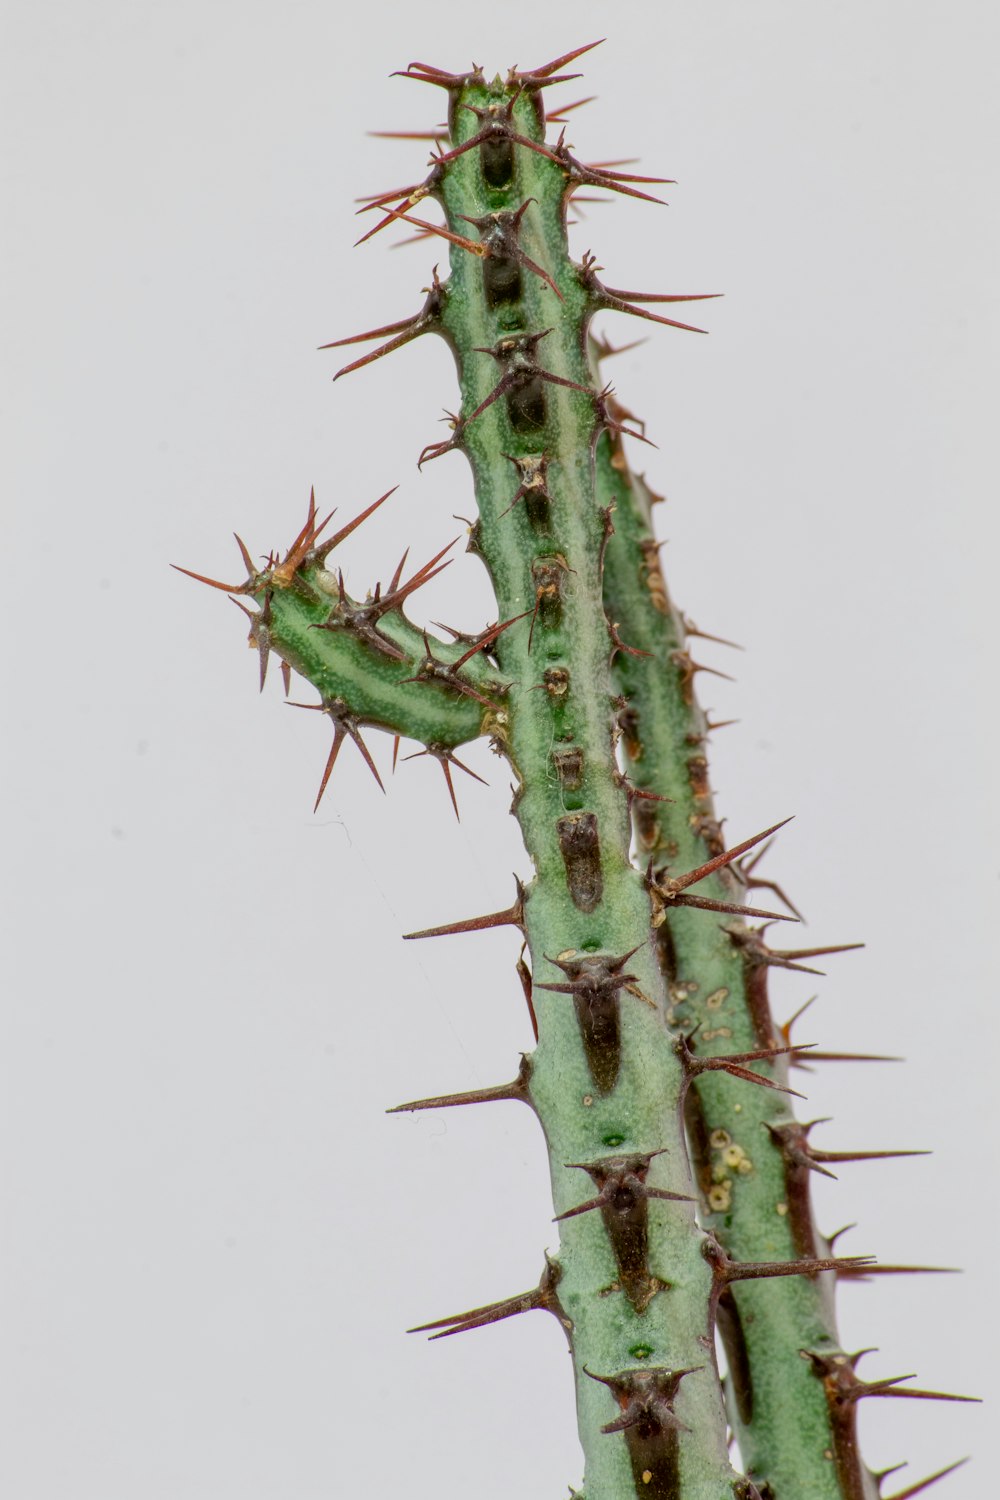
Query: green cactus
680	1176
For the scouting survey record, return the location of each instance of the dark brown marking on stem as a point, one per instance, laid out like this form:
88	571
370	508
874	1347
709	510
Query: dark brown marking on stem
580	845
651	1427
623	1197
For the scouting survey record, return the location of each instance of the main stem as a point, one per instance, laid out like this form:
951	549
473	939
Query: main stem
605	1079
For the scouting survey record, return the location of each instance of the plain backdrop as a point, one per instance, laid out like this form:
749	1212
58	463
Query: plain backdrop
214	1237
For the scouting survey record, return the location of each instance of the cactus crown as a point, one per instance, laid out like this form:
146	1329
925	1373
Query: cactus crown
680	1175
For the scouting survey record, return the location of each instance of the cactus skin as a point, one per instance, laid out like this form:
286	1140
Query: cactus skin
650	1013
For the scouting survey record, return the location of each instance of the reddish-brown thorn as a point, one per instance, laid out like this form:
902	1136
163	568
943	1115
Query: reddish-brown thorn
796	953
613	291
441	231
424	73
323	552
488	637
705	903
891	1387
732	1064
440	134
247	559
395	751
604	349
620	645
862	1155
446	760
681	882
213	583
513	916
923	1484
752	1270
547	69
754	882
259	634
690	628
565	109
286	677
890	1270
517	1089
543	1296
394	580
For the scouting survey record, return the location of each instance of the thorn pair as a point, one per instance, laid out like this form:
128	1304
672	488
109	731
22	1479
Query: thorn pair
345	725
792	1140
670	891
428	319
543	1296
446	759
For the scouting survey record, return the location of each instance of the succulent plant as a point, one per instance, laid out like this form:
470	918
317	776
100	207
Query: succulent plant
681	1174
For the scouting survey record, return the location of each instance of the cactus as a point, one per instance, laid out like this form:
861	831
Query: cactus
680	1173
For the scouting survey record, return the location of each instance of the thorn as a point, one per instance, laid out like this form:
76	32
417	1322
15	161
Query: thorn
565	109
322	552
518	1089
543	1296
446	760
890	1270
524	975
488	637
604	407
513	916
516	353
345	724
757	951
397	334
923	1484
690	628
213	583
728	1271
286	677
754	882
668	889
620	645
499	240
646	1398
438	450
440	134
689	669
792	1140
621	1184
732	1063
533	76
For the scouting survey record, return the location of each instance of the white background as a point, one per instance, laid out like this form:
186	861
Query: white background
214	1236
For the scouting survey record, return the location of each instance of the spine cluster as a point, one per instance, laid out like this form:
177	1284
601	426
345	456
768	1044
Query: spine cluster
680	1174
